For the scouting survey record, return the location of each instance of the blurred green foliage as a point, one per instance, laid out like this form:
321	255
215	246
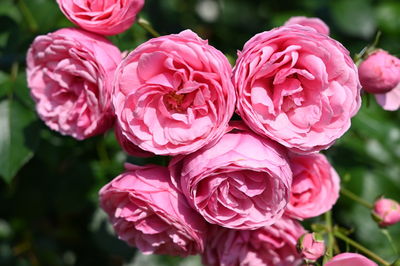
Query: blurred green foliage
48	187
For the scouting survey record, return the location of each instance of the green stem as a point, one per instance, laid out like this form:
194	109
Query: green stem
27	14
14	70
376	40
366	98
356	198
147	26
331	238
389	238
358	57
361	248
366	51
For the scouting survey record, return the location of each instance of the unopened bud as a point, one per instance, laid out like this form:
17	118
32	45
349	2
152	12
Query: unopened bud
380	72
311	246
386	212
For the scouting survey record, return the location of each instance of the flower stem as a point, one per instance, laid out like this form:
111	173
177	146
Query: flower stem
14	70
366	51
331	238
358	57
147	27
356	198
376	40
389	238
361	248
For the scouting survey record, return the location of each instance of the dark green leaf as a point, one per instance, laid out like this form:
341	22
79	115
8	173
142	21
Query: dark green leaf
9	9
18	137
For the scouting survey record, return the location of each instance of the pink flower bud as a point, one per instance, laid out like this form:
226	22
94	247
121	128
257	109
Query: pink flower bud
386	212
380	72
311	246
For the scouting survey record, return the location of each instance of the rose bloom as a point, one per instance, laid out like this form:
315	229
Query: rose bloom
269	245
102	17
380	72
297	87
242	182
390	101
350	259
313	179
315	23
128	146
386	211
146	211
173	94
311	246
70	75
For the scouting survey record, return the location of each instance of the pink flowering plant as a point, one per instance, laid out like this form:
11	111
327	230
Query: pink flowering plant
184	145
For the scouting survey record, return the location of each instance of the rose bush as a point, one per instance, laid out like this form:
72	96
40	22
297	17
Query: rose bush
146	211
297	87
70	75
173	94
242	182
103	17
269	245
313	179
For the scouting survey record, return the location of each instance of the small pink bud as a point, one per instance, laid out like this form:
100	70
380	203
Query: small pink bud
386	212
380	72
311	246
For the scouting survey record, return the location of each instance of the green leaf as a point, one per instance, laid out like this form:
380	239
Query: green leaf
19	136
33	11
22	92
9	9
4	88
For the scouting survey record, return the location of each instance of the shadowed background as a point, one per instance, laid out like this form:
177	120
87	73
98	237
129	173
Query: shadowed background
49	211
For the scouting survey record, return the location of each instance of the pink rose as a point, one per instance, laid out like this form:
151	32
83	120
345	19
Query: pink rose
173	94
297	87
128	146
102	17
311	246
315	23
242	182
386	211
149	213
70	75
390	101
313	179
269	245
380	72
350	259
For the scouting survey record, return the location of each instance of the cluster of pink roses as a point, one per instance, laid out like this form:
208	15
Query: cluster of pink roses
234	189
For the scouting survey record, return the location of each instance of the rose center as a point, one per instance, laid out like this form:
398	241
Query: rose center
174	101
